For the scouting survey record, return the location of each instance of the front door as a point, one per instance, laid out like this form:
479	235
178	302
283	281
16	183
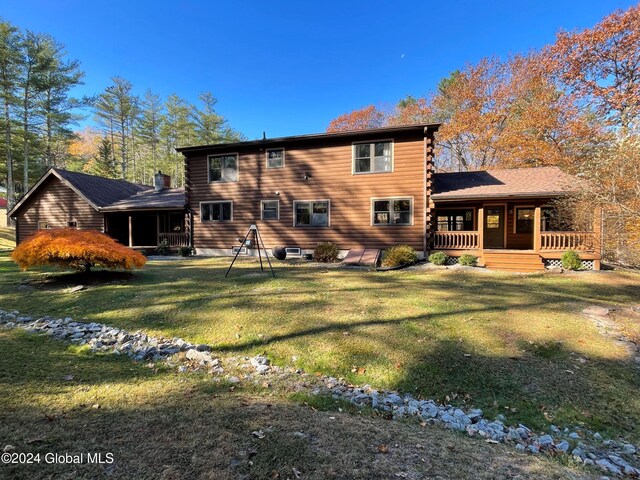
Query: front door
494	227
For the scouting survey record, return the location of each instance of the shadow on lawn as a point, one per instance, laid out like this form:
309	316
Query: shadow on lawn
158	427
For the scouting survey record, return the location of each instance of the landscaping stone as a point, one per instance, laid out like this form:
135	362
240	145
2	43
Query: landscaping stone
608	454
596	311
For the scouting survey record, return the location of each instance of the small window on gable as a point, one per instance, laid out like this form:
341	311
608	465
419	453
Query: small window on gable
223	168
275	158
72	224
216	211
375	157
43	225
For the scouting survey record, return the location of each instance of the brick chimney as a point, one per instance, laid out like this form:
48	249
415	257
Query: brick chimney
162	181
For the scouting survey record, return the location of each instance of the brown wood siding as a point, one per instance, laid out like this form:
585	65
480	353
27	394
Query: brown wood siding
331	178
56	204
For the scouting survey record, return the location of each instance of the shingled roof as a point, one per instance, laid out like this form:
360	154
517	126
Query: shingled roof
506	183
99	190
106	194
150	199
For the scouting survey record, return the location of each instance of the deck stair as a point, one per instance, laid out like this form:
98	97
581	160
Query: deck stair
513	260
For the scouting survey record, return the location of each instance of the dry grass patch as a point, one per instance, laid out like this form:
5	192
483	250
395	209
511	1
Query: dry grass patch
168	426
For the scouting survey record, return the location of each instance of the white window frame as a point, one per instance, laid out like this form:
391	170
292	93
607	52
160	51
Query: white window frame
242	250
327	201
262	202
293	251
217	155
43	225
266	154
384	199
216	202
372	147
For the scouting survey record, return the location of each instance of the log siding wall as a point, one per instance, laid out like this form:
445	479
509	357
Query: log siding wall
57	205
329	167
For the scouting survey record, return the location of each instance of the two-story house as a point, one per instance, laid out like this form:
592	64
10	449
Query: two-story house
363	189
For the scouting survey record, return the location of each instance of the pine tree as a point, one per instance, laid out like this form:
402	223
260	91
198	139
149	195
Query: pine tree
9	66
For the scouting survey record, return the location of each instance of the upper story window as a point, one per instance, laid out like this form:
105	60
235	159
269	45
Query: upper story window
223	168
374	157
216	211
311	214
392	211
275	158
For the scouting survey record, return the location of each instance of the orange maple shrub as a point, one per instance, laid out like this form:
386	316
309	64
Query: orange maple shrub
80	249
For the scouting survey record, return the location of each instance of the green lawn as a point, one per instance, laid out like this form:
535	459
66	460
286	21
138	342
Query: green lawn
510	344
7	238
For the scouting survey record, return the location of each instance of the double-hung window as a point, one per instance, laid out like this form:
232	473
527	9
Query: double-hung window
270	209
392	211
311	214
216	211
275	158
223	168
374	157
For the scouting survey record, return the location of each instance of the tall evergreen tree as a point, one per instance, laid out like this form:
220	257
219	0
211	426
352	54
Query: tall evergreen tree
10	45
115	111
148	127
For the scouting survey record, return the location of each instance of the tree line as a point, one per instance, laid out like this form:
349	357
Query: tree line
574	104
126	135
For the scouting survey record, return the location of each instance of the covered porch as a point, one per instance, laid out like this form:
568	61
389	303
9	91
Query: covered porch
150	229
512	235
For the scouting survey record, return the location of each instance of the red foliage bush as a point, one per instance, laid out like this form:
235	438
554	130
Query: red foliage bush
80	249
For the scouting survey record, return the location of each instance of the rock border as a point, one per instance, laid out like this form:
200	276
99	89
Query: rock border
584	446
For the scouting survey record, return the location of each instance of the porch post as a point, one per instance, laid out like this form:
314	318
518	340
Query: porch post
157	229
480	228
597	235
130	232
537	221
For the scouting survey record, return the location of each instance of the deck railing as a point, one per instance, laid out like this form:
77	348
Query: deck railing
581	241
174	239
457	240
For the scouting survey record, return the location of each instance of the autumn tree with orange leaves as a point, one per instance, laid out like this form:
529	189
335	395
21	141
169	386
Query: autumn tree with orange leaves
574	104
361	119
78	249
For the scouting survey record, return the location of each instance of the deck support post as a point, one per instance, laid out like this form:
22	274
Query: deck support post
537	222
130	232
597	234
480	229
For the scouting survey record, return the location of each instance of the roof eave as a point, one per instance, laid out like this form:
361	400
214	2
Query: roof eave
445	197
314	136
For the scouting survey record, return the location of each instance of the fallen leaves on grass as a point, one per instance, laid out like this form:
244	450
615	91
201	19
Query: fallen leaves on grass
258	434
382	448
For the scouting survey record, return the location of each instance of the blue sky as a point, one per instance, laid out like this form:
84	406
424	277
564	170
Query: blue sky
289	67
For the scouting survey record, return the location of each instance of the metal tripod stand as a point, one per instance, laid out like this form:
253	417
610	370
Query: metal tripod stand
257	238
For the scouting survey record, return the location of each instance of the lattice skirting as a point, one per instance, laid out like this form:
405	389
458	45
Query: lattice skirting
451	261
556	262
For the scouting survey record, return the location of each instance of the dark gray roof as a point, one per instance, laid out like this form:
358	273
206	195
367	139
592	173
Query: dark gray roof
314	136
503	183
150	199
99	190
106	194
